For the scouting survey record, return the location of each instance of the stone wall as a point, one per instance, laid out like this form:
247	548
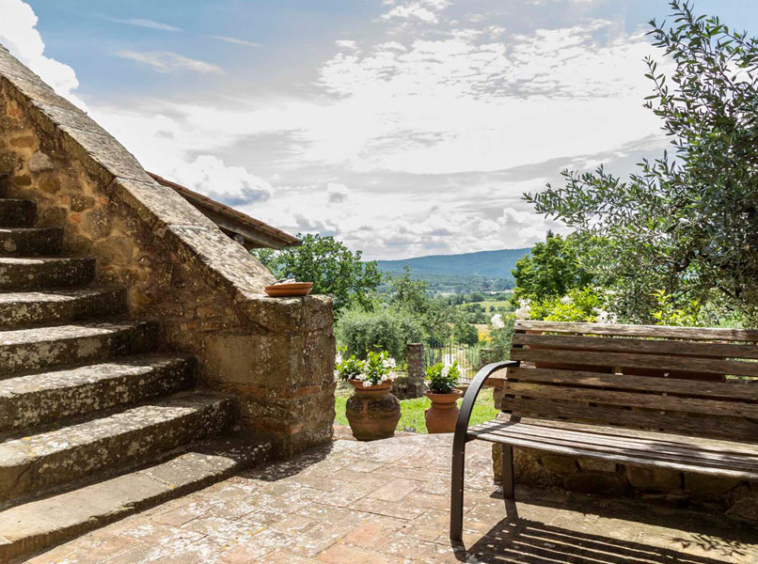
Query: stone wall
606	478
275	355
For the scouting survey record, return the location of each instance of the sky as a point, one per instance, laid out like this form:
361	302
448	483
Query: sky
401	127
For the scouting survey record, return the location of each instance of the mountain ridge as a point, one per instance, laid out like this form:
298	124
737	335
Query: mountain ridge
486	264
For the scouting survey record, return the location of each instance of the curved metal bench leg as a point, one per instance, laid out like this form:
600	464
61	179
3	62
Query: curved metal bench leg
456	500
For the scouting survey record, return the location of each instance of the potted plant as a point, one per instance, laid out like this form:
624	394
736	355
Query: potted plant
441	381
372	410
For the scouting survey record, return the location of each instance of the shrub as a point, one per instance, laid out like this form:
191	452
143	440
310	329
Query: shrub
389	329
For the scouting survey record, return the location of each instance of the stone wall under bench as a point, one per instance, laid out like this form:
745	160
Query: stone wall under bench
275	356
605	478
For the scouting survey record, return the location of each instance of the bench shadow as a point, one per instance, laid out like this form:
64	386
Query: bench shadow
516	540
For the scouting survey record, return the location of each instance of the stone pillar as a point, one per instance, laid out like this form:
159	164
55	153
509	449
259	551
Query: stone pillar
416	370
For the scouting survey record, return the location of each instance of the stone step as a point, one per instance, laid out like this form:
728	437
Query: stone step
18	309
30	350
47	272
17	213
31	241
27	401
31	465
35	526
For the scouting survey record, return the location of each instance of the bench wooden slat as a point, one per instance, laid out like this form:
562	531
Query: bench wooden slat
591	441
724	390
717	427
634	399
643	346
692	333
620	456
650	438
629	360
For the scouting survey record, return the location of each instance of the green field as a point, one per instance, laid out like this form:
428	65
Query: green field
412	419
487	304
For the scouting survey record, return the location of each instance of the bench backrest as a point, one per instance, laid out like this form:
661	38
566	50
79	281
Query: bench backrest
690	381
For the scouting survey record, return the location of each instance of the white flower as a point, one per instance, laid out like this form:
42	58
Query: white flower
497	321
389	363
525	309
366	384
566	300
605	316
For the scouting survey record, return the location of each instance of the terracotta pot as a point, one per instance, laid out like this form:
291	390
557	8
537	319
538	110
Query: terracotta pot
442	416
372	412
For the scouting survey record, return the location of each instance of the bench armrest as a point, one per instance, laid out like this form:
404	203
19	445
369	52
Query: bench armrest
461	427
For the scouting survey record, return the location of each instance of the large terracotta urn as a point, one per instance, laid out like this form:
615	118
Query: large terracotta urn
372	412
442	416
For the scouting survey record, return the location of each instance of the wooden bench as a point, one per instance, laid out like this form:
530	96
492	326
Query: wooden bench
669	397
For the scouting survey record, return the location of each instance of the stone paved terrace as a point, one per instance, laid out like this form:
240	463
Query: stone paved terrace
386	503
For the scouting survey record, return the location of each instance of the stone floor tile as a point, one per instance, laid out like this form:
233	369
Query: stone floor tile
340	553
428	501
293	524
346	495
284	557
387	502
394	490
373	532
388	508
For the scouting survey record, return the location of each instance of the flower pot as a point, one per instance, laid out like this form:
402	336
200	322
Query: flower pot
442	416
372	412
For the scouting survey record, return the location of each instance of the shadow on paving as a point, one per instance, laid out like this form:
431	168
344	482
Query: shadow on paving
524	541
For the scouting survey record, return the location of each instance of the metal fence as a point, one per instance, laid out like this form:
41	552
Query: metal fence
466	356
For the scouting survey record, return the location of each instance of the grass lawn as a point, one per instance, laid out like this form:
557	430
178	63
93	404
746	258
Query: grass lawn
412	419
488	303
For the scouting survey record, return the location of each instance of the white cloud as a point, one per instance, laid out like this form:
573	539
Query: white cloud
235	41
168	62
232	185
19	34
337	193
346	43
424	10
142	22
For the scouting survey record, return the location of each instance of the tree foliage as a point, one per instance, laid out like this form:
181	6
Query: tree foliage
387	329
551	270
330	265
686	223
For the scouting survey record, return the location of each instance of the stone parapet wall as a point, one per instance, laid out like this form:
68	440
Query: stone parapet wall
607	478
275	355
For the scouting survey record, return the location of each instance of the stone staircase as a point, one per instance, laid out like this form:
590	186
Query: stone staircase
94	423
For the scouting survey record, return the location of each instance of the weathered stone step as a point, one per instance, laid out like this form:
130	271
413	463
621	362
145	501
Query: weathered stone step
35	526
29	350
17	213
48	272
18	309
47	397
31	241
135	436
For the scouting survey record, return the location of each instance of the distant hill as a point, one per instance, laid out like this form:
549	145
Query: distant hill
458	272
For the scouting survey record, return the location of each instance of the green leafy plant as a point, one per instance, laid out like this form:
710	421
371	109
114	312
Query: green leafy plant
376	369
667	313
349	368
687	223
443	378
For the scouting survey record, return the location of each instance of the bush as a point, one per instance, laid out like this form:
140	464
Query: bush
389	329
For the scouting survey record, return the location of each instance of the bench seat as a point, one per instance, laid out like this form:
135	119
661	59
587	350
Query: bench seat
679	398
626	446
